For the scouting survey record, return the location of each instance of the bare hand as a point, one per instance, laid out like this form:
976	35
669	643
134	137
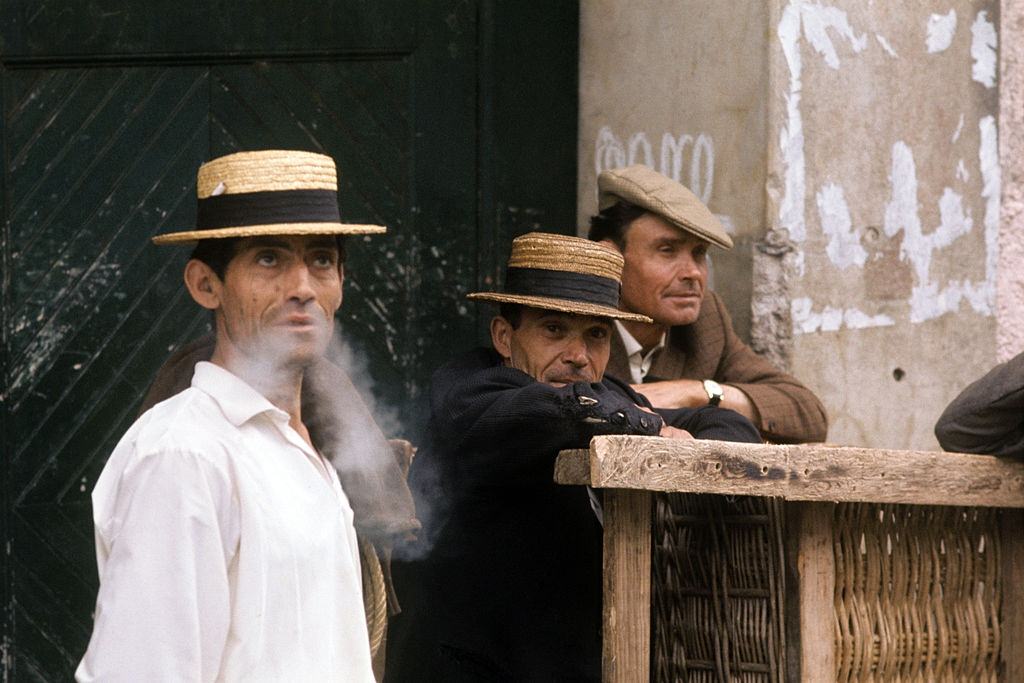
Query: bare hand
689	393
679	393
670	432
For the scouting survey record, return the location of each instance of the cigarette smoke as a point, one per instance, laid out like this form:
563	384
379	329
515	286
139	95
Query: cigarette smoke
348	425
426	485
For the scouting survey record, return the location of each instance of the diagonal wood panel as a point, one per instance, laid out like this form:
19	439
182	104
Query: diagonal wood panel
106	115
101	159
71	249
343	108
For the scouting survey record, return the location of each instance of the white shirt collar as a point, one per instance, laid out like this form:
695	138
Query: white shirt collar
237	400
639	364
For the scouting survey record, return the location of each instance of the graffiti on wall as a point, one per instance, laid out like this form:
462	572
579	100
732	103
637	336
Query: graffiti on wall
822	29
687	159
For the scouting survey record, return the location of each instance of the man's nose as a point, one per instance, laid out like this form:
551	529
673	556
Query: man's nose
688	268
300	283
576	352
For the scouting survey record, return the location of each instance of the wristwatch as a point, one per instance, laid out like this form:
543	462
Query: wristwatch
714	390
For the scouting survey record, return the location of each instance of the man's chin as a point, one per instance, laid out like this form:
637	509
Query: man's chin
560	382
292	352
679	315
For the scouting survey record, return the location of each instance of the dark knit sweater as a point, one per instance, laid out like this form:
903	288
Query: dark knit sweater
505	582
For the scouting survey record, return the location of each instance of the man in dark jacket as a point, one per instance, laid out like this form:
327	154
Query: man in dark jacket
988	415
505	581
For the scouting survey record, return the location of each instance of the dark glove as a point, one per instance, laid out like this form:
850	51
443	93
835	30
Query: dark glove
611	412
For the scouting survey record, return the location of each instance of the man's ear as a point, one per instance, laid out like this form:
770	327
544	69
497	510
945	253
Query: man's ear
501	336
203	284
609	243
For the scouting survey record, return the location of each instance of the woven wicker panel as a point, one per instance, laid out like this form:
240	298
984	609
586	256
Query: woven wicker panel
718	589
917	593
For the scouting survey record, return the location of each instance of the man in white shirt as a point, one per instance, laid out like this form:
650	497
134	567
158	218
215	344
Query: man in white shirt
225	542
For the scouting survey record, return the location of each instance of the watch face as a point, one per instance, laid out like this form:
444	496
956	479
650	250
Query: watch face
714	391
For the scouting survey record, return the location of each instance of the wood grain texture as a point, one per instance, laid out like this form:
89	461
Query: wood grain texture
1012	610
805	472
627	587
811	540
573	467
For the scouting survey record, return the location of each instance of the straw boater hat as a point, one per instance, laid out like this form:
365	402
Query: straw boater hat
271	192
561	273
662	196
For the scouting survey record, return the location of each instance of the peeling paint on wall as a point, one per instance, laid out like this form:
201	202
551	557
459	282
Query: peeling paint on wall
928	300
929	297
983	50
831	319
813	22
959	129
844	248
991	190
941	28
886	46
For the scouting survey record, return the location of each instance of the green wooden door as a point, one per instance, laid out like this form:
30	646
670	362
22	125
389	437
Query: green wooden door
452	122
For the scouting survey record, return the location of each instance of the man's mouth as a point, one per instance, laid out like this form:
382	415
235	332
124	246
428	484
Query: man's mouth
565	381
300	321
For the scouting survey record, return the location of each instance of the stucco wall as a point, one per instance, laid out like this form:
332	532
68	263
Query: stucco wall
655	89
1010	277
876	151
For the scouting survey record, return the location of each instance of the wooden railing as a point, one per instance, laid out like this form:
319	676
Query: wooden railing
875	564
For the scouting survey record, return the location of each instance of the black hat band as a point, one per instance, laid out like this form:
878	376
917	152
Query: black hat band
268	208
561	284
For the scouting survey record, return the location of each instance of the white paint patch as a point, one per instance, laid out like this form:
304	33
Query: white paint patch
844	248
610	152
991	188
727	223
791	136
817	19
901	211
928	300
961	171
813	23
959	129
886	46
39	353
983	50
640	150
941	28
832	319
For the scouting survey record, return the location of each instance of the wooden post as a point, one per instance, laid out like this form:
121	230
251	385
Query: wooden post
627	586
1011	666
810	632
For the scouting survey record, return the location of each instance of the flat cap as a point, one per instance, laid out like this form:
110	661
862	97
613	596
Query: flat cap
648	189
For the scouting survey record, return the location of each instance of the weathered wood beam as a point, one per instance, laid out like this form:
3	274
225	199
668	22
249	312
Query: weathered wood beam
1011	655
812	472
627	587
810	633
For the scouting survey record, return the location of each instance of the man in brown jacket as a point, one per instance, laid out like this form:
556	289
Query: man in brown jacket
690	355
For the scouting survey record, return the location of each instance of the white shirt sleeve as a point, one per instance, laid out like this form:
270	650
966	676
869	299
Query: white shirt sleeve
163	609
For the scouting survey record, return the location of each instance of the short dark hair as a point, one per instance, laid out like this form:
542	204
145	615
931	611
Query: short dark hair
513	313
611	223
217	253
